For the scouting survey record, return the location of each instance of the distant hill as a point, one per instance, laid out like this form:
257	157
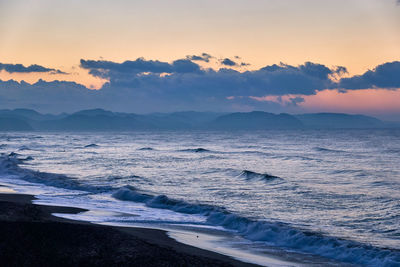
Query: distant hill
182	120
14	124
338	120
103	120
97	120
28	114
256	120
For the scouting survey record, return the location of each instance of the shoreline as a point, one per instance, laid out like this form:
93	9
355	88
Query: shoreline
33	236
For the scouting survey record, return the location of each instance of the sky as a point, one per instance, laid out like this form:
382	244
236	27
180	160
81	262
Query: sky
294	56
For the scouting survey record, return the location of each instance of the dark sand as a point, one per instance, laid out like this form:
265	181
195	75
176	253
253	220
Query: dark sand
31	236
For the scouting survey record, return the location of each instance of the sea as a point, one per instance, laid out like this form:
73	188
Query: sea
302	197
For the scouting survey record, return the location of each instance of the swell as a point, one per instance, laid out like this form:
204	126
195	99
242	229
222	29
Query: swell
276	234
249	175
146	149
272	233
9	165
91	145
195	150
328	150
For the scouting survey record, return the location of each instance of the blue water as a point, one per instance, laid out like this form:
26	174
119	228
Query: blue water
332	193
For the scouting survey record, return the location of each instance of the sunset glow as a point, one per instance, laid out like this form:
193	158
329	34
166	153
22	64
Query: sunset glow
358	35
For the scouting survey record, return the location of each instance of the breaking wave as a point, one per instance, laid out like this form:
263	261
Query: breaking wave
273	233
24	148
328	150
9	164
195	150
91	145
249	175
146	148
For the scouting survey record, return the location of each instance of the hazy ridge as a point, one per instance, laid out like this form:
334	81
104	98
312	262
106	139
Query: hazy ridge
103	120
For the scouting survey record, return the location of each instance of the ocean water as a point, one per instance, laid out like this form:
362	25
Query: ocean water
330	193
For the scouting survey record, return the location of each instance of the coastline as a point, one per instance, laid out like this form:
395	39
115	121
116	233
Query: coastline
33	236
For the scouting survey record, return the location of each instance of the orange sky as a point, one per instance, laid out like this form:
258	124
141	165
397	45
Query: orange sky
376	102
358	34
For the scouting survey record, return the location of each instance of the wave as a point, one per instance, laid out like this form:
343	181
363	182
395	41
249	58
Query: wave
28	158
130	193
273	233
9	164
146	148
393	150
13	155
196	150
91	145
359	173
249	175
23	148
254	152
328	150
276	234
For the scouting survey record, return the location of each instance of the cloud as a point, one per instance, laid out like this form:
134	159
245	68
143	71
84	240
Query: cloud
128	69
147	85
308	68
297	100
56	96
186	78
228	62
19	68
155	86
203	57
385	76
104	68
231	63
185	66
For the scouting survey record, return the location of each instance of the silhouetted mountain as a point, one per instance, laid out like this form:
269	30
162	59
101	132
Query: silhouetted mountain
103	120
338	120
14	124
256	120
97	120
95	112
181	120
28	114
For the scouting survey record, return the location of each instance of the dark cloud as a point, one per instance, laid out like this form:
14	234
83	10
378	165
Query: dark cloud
316	70
104	69
19	68
56	96
151	85
58	72
308	68
228	62
385	76
184	66
127	70
296	100
185	78
183	85
203	57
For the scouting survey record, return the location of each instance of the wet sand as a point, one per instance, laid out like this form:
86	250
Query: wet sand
31	236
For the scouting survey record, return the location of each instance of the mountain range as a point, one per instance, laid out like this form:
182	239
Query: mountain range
103	120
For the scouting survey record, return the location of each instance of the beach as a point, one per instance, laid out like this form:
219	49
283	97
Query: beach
177	198
31	236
